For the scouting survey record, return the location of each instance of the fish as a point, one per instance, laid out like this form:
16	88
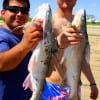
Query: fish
74	55
40	60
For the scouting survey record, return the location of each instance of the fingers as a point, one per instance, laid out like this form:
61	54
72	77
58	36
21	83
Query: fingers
35	25
73	31
35	30
72	37
36	34
93	96
94	92
69	36
33	34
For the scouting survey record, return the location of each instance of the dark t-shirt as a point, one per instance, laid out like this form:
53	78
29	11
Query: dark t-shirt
11	81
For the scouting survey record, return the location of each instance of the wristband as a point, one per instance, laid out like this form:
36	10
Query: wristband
93	84
59	47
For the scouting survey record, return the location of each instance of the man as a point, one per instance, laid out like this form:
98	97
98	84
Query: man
15	48
53	89
63	17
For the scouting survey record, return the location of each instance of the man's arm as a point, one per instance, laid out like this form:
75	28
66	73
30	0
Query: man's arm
89	75
9	59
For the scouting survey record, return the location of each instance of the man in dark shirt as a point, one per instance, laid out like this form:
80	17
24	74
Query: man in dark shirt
15	49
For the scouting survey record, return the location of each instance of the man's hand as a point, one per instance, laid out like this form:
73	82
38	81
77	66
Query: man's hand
94	92
69	36
33	34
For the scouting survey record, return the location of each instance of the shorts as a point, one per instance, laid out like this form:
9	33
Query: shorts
56	92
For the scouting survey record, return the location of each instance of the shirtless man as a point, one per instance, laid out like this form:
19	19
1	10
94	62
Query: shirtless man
53	88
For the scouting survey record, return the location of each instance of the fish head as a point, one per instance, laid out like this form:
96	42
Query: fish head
79	20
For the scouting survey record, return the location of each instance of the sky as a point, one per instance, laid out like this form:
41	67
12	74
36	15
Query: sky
92	6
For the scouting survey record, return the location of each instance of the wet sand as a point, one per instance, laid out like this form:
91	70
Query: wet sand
94	38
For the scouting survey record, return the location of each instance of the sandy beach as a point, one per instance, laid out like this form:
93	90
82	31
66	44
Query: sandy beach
94	38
